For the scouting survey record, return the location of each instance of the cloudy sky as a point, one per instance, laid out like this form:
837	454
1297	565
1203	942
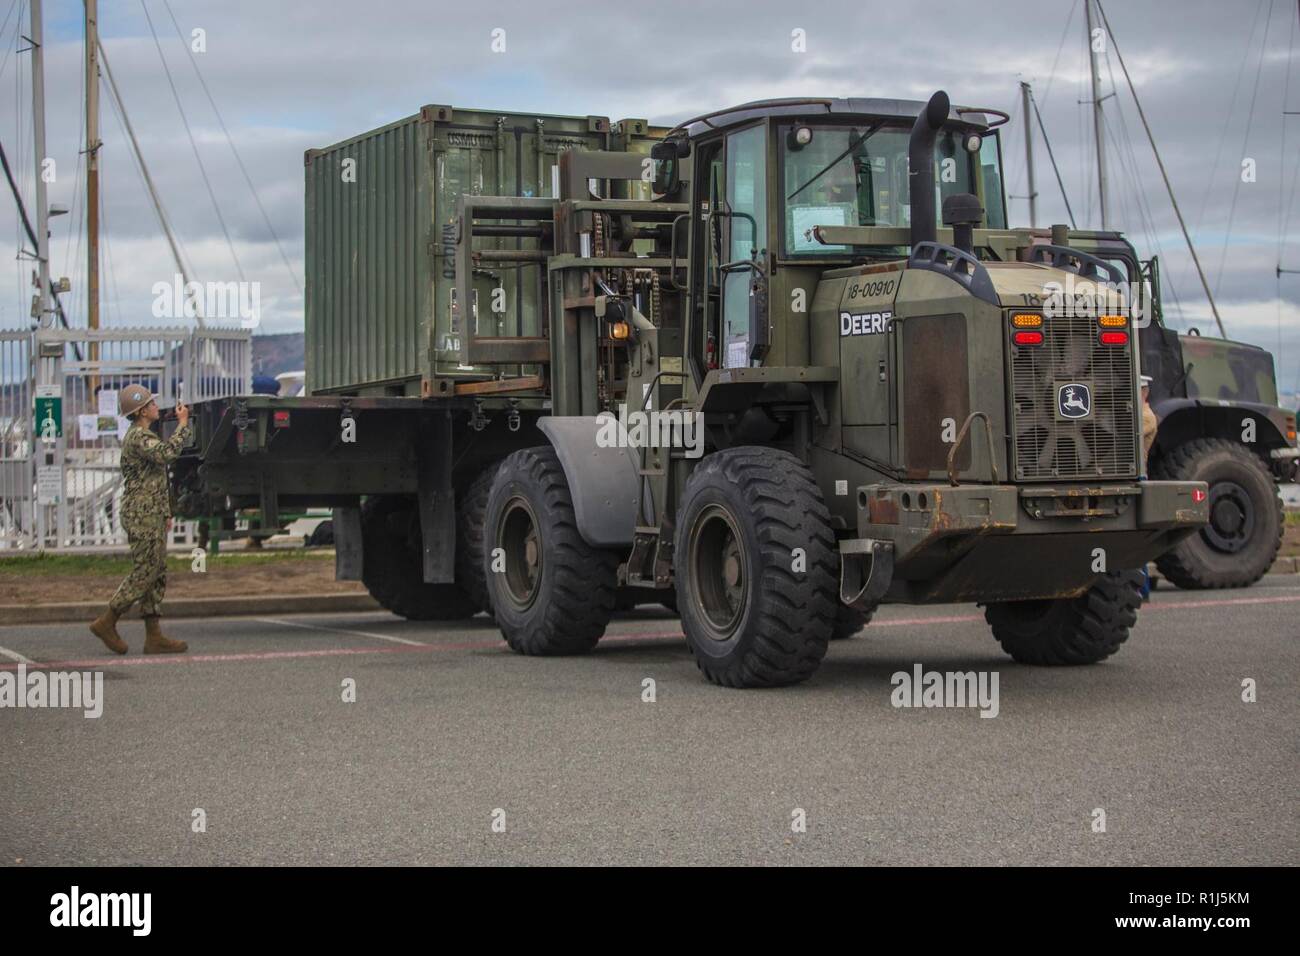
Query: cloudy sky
291	75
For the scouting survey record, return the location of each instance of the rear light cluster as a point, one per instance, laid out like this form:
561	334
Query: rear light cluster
1028	329
1114	329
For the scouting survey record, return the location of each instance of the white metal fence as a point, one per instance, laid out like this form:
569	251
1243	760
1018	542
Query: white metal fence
64	492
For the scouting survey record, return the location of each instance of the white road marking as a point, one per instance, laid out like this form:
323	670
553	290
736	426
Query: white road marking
337	630
15	656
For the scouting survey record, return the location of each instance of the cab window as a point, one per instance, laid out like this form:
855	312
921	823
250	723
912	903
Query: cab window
857	176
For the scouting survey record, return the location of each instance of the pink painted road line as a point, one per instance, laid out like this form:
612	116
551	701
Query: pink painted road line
625	638
1219	602
142	661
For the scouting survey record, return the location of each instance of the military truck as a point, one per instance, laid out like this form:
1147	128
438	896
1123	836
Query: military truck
1219	422
848	404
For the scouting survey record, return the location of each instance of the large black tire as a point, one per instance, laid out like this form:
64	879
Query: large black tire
848	621
471	518
749	618
393	565
1242	539
1082	630
555	593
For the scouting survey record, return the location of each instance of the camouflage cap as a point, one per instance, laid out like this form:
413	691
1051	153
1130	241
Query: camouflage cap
133	398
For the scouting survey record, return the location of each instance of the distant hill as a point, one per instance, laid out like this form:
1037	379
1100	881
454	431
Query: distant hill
273	354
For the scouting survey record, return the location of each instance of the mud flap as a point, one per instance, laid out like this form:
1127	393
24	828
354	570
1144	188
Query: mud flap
347	544
863	588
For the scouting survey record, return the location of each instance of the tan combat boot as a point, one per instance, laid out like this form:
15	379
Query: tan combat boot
104	627
155	642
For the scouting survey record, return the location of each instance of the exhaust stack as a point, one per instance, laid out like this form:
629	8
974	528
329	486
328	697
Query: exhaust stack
920	166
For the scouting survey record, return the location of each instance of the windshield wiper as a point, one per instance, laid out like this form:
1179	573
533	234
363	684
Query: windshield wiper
831	165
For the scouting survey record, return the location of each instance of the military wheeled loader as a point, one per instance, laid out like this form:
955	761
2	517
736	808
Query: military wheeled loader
774	367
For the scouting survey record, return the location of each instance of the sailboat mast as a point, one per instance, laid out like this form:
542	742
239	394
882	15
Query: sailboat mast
37	39
92	164
1096	39
1029	153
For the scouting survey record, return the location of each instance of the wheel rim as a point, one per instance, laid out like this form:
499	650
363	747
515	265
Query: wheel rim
717	568
1232	517
521	546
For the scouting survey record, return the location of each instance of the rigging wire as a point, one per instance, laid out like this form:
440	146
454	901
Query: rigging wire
1227	120
1145	213
186	263
1284	209
70	265
1052	156
109	270
231	142
216	207
1021	169
5	26
1245	140
1132	180
1164	174
1051	76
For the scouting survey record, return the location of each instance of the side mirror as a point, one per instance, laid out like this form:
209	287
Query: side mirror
667	171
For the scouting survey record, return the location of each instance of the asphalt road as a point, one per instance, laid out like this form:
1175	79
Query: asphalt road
448	726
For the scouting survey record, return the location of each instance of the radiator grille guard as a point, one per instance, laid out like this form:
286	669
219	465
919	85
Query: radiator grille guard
1072	368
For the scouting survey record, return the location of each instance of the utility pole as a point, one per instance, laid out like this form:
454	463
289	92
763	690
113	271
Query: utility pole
48	399
92	168
1096	37
1029	153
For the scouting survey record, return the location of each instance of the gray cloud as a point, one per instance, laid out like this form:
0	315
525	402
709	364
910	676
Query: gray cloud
288	76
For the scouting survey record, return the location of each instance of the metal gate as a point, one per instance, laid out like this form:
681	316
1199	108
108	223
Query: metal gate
17	461
64	491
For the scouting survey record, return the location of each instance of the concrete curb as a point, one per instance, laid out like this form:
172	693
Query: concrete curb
87	611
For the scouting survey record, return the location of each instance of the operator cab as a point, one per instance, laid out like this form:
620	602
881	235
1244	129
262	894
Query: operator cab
763	179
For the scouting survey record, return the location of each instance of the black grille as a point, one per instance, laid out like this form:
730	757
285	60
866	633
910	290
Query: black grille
1048	446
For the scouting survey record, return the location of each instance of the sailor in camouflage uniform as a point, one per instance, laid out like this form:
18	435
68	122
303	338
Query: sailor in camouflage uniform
146	512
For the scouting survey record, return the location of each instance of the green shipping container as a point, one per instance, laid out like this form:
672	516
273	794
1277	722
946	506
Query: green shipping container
380	261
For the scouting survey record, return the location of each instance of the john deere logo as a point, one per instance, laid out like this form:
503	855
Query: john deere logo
1074	400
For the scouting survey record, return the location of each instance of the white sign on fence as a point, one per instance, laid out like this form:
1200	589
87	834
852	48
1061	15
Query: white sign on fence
108	401
49	484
